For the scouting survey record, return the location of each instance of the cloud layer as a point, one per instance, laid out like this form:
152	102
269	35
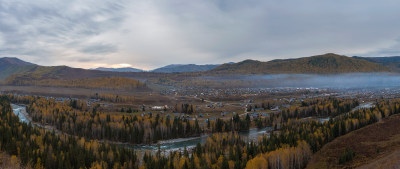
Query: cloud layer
153	33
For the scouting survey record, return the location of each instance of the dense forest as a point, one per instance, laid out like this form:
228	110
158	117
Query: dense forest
114	98
74	117
319	107
40	148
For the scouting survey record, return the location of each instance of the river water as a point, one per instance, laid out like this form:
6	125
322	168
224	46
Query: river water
364	106
20	111
189	143
165	145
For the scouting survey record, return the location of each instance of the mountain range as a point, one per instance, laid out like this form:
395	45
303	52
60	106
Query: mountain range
327	63
123	69
174	68
14	70
321	64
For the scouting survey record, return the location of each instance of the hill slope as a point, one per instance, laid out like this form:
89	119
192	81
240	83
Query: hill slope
184	68
10	66
16	72
392	62
371	144
321	64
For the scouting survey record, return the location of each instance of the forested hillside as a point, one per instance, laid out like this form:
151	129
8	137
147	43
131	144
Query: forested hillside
392	62
321	64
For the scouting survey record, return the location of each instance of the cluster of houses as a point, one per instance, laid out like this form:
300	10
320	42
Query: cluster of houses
215	105
165	107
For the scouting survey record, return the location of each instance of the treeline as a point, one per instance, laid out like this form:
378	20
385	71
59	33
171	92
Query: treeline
121	127
39	148
264	105
234	124
184	108
114	98
113	83
319	107
325	107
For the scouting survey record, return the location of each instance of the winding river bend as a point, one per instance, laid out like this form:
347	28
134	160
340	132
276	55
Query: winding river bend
165	145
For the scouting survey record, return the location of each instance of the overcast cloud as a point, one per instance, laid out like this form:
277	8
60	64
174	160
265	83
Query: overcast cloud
152	33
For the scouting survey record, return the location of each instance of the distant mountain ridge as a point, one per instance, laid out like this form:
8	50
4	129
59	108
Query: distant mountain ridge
64	76
16	70
174	68
329	63
124	69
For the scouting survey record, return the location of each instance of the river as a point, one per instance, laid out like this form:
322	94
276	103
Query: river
165	145
189	143
20	111
364	106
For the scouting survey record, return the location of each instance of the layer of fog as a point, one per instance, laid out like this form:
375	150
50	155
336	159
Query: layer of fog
350	80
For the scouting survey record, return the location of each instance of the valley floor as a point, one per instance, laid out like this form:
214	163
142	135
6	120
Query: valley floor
375	146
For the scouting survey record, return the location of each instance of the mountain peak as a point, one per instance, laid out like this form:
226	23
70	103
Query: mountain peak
249	61
14	61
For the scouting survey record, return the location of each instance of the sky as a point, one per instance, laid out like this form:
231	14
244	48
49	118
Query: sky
147	34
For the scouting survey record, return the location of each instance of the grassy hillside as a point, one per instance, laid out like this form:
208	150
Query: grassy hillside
371	144
322	64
